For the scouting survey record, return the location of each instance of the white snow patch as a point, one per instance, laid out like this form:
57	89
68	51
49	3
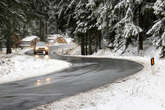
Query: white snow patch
19	67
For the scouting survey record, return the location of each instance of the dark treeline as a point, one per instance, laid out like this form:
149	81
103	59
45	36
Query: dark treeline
121	22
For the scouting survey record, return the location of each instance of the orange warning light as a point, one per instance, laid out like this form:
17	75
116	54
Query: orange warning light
152	61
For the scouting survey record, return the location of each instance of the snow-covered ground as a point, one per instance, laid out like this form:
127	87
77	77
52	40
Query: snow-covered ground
68	49
142	91
19	66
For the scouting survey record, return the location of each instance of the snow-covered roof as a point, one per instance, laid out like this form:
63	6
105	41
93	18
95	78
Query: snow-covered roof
54	36
30	38
69	40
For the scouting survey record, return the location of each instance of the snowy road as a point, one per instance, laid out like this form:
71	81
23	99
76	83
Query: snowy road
85	74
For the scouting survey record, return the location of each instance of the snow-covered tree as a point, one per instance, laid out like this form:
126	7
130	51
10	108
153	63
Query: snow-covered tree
61	16
128	26
121	21
126	21
13	14
158	29
86	15
106	19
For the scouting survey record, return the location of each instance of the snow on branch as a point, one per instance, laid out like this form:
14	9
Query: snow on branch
131	30
70	5
128	27
163	38
159	7
129	15
163	35
91	3
155	30
158	33
120	5
125	3
127	19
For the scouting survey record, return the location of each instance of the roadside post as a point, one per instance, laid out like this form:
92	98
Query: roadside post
153	65
152	61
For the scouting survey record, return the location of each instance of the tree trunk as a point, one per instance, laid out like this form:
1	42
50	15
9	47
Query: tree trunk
8	45
82	45
140	42
86	44
0	46
8	36
140	35
46	29
99	39
90	43
42	30
56	26
24	30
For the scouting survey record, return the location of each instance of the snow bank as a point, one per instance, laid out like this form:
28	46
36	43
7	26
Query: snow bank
19	67
149	51
67	49
143	91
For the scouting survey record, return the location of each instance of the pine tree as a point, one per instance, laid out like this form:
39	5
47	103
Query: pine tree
11	17
127	26
80	15
158	29
107	19
86	14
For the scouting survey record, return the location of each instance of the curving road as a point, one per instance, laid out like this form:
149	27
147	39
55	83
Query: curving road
85	74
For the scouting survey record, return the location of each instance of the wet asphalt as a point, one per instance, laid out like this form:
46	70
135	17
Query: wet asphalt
84	75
